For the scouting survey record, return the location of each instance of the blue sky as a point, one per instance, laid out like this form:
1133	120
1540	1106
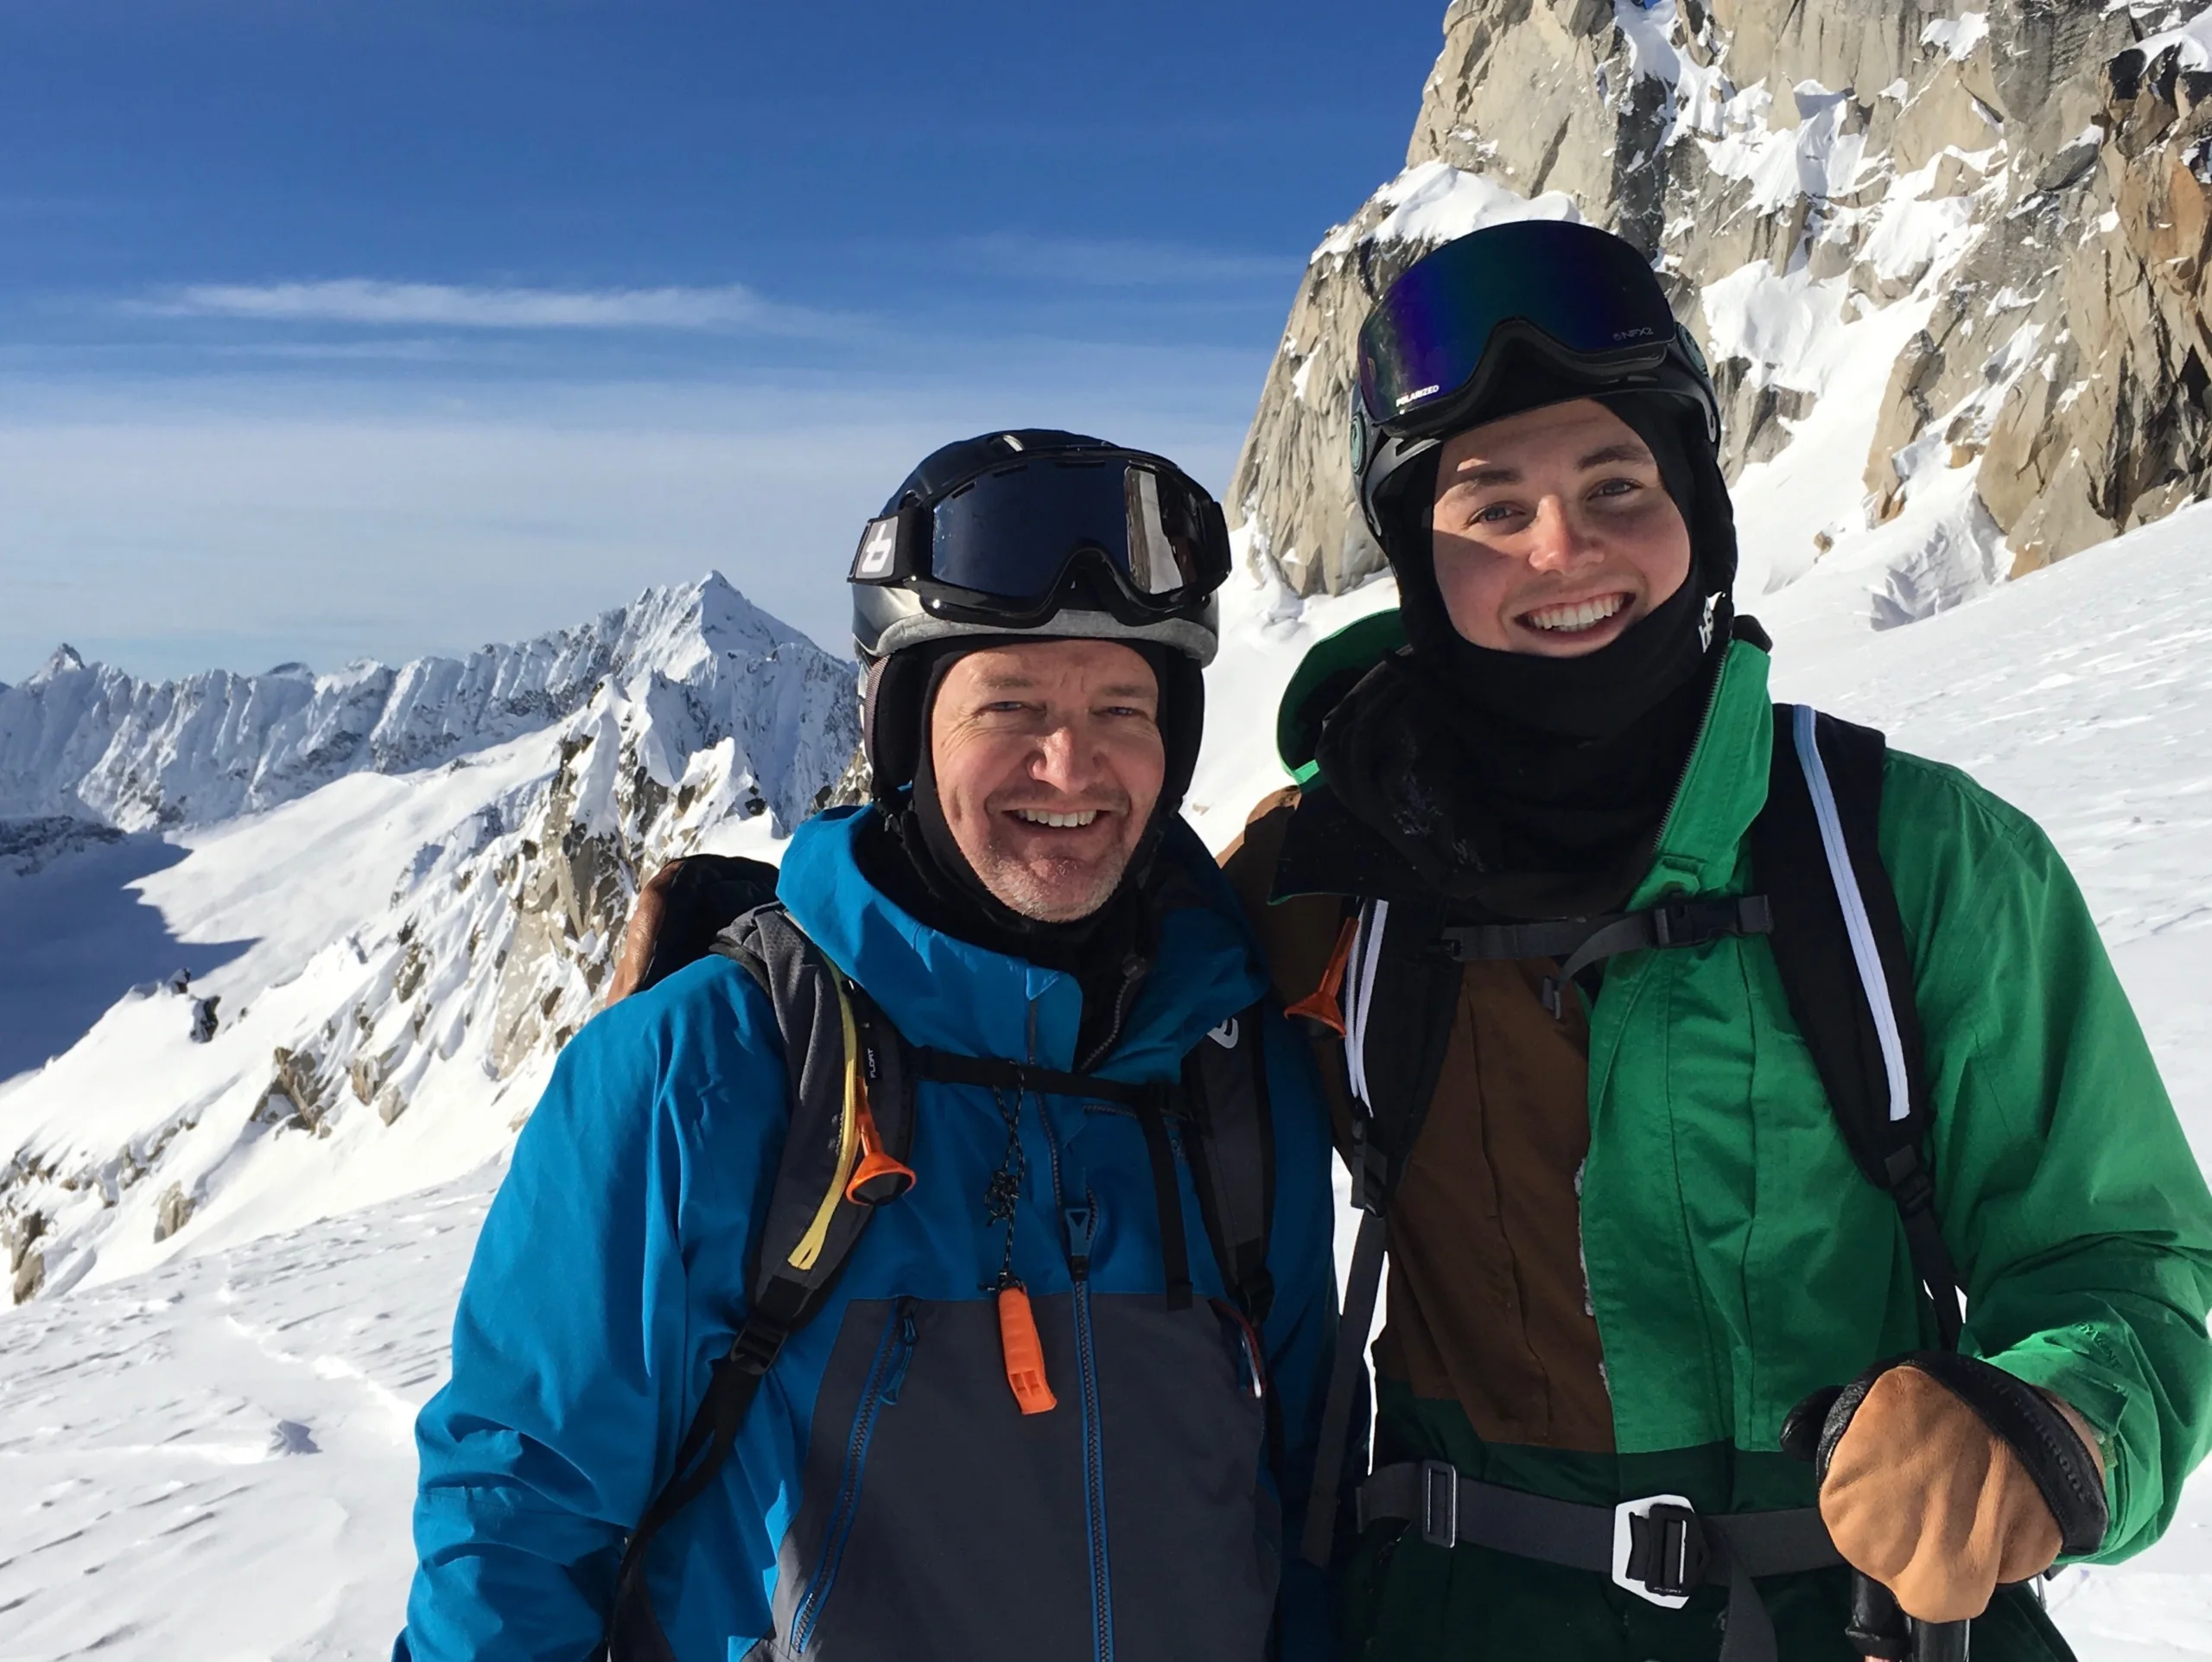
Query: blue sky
381	326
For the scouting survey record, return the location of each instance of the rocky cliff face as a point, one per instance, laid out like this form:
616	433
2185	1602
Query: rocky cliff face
2021	197
470	936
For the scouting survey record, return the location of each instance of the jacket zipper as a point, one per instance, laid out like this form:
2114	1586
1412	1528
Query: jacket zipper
1080	1219
1133	969
892	1354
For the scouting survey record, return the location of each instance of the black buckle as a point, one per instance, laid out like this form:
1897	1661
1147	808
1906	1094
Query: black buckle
1438	1511
1909	1184
1682	922
1667	1554
1692	923
757	1346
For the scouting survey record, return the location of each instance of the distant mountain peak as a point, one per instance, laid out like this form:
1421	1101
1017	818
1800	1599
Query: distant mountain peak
143	754
65	659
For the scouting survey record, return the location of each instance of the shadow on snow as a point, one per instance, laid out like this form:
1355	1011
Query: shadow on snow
74	938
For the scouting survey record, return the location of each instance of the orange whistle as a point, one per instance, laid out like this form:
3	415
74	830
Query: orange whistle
1024	1355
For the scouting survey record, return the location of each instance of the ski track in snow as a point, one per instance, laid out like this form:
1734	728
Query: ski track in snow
211	1459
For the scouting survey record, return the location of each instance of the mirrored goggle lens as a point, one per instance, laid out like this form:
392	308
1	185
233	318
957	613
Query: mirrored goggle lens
1425	339
1012	532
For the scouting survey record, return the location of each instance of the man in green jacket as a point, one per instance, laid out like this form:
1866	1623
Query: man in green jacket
1627	1234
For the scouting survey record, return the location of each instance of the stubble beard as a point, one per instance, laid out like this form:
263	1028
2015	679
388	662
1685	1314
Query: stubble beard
1060	892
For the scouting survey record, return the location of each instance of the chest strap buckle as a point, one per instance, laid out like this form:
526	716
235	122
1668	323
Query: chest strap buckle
1660	1551
1440	1503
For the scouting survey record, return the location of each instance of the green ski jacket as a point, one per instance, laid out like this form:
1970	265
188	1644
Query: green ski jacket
1736	1259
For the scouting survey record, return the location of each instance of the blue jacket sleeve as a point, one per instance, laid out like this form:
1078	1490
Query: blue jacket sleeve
1301	1327
581	1345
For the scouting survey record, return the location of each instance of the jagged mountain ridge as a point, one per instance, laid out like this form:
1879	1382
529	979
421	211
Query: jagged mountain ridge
420	940
2008	207
85	741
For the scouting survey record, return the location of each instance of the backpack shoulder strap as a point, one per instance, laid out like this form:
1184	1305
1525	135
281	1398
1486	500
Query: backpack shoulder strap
844	1154
1232	1154
1397	1000
1400	998
1839	943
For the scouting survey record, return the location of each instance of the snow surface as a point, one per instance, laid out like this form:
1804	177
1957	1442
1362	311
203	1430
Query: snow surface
1434	201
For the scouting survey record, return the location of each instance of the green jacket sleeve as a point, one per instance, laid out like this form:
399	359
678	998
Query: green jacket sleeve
2067	1190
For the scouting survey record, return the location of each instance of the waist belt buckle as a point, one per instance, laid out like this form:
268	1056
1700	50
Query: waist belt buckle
1660	1551
1439	1514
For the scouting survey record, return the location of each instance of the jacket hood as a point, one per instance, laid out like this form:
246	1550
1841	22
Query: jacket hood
945	992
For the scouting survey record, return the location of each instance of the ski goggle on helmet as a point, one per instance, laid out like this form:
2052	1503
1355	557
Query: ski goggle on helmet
1503	319
1032	528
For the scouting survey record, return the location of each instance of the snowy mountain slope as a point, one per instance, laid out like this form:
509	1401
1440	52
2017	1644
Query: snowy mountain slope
397	954
164	1422
90	741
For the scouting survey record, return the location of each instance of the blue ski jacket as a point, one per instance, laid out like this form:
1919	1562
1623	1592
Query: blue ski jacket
885	1497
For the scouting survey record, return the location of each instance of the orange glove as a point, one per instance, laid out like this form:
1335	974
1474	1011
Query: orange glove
1944	1489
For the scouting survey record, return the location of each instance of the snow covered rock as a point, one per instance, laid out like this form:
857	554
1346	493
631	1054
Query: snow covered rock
420	921
2007	211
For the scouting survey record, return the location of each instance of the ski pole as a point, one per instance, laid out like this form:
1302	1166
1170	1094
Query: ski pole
1940	1641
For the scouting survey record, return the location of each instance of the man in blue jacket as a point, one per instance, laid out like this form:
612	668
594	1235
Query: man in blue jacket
1027	1421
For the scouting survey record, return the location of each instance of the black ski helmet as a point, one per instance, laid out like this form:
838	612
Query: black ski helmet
1035	533
1505	319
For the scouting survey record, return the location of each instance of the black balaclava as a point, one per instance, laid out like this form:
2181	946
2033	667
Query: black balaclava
915	861
1596	695
1526	785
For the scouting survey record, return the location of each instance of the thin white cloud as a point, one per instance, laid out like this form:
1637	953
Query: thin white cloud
455	306
1116	263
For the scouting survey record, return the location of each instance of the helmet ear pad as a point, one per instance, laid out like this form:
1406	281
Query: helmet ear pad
891	720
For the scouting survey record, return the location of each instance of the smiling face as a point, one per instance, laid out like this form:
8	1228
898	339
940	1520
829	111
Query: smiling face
1048	760
1553	534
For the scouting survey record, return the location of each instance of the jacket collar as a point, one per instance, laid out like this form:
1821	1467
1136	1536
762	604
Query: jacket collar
945	992
1723	787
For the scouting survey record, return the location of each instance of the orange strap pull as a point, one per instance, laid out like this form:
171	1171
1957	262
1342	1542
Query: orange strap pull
877	1176
1322	1004
1025	1354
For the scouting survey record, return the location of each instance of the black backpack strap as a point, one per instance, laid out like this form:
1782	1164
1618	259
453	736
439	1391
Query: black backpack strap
1579	942
852	1123
1167	1196
1839	943
1399	999
996	1073
1231	1150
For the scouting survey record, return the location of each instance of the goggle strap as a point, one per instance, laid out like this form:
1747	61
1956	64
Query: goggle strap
894	548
